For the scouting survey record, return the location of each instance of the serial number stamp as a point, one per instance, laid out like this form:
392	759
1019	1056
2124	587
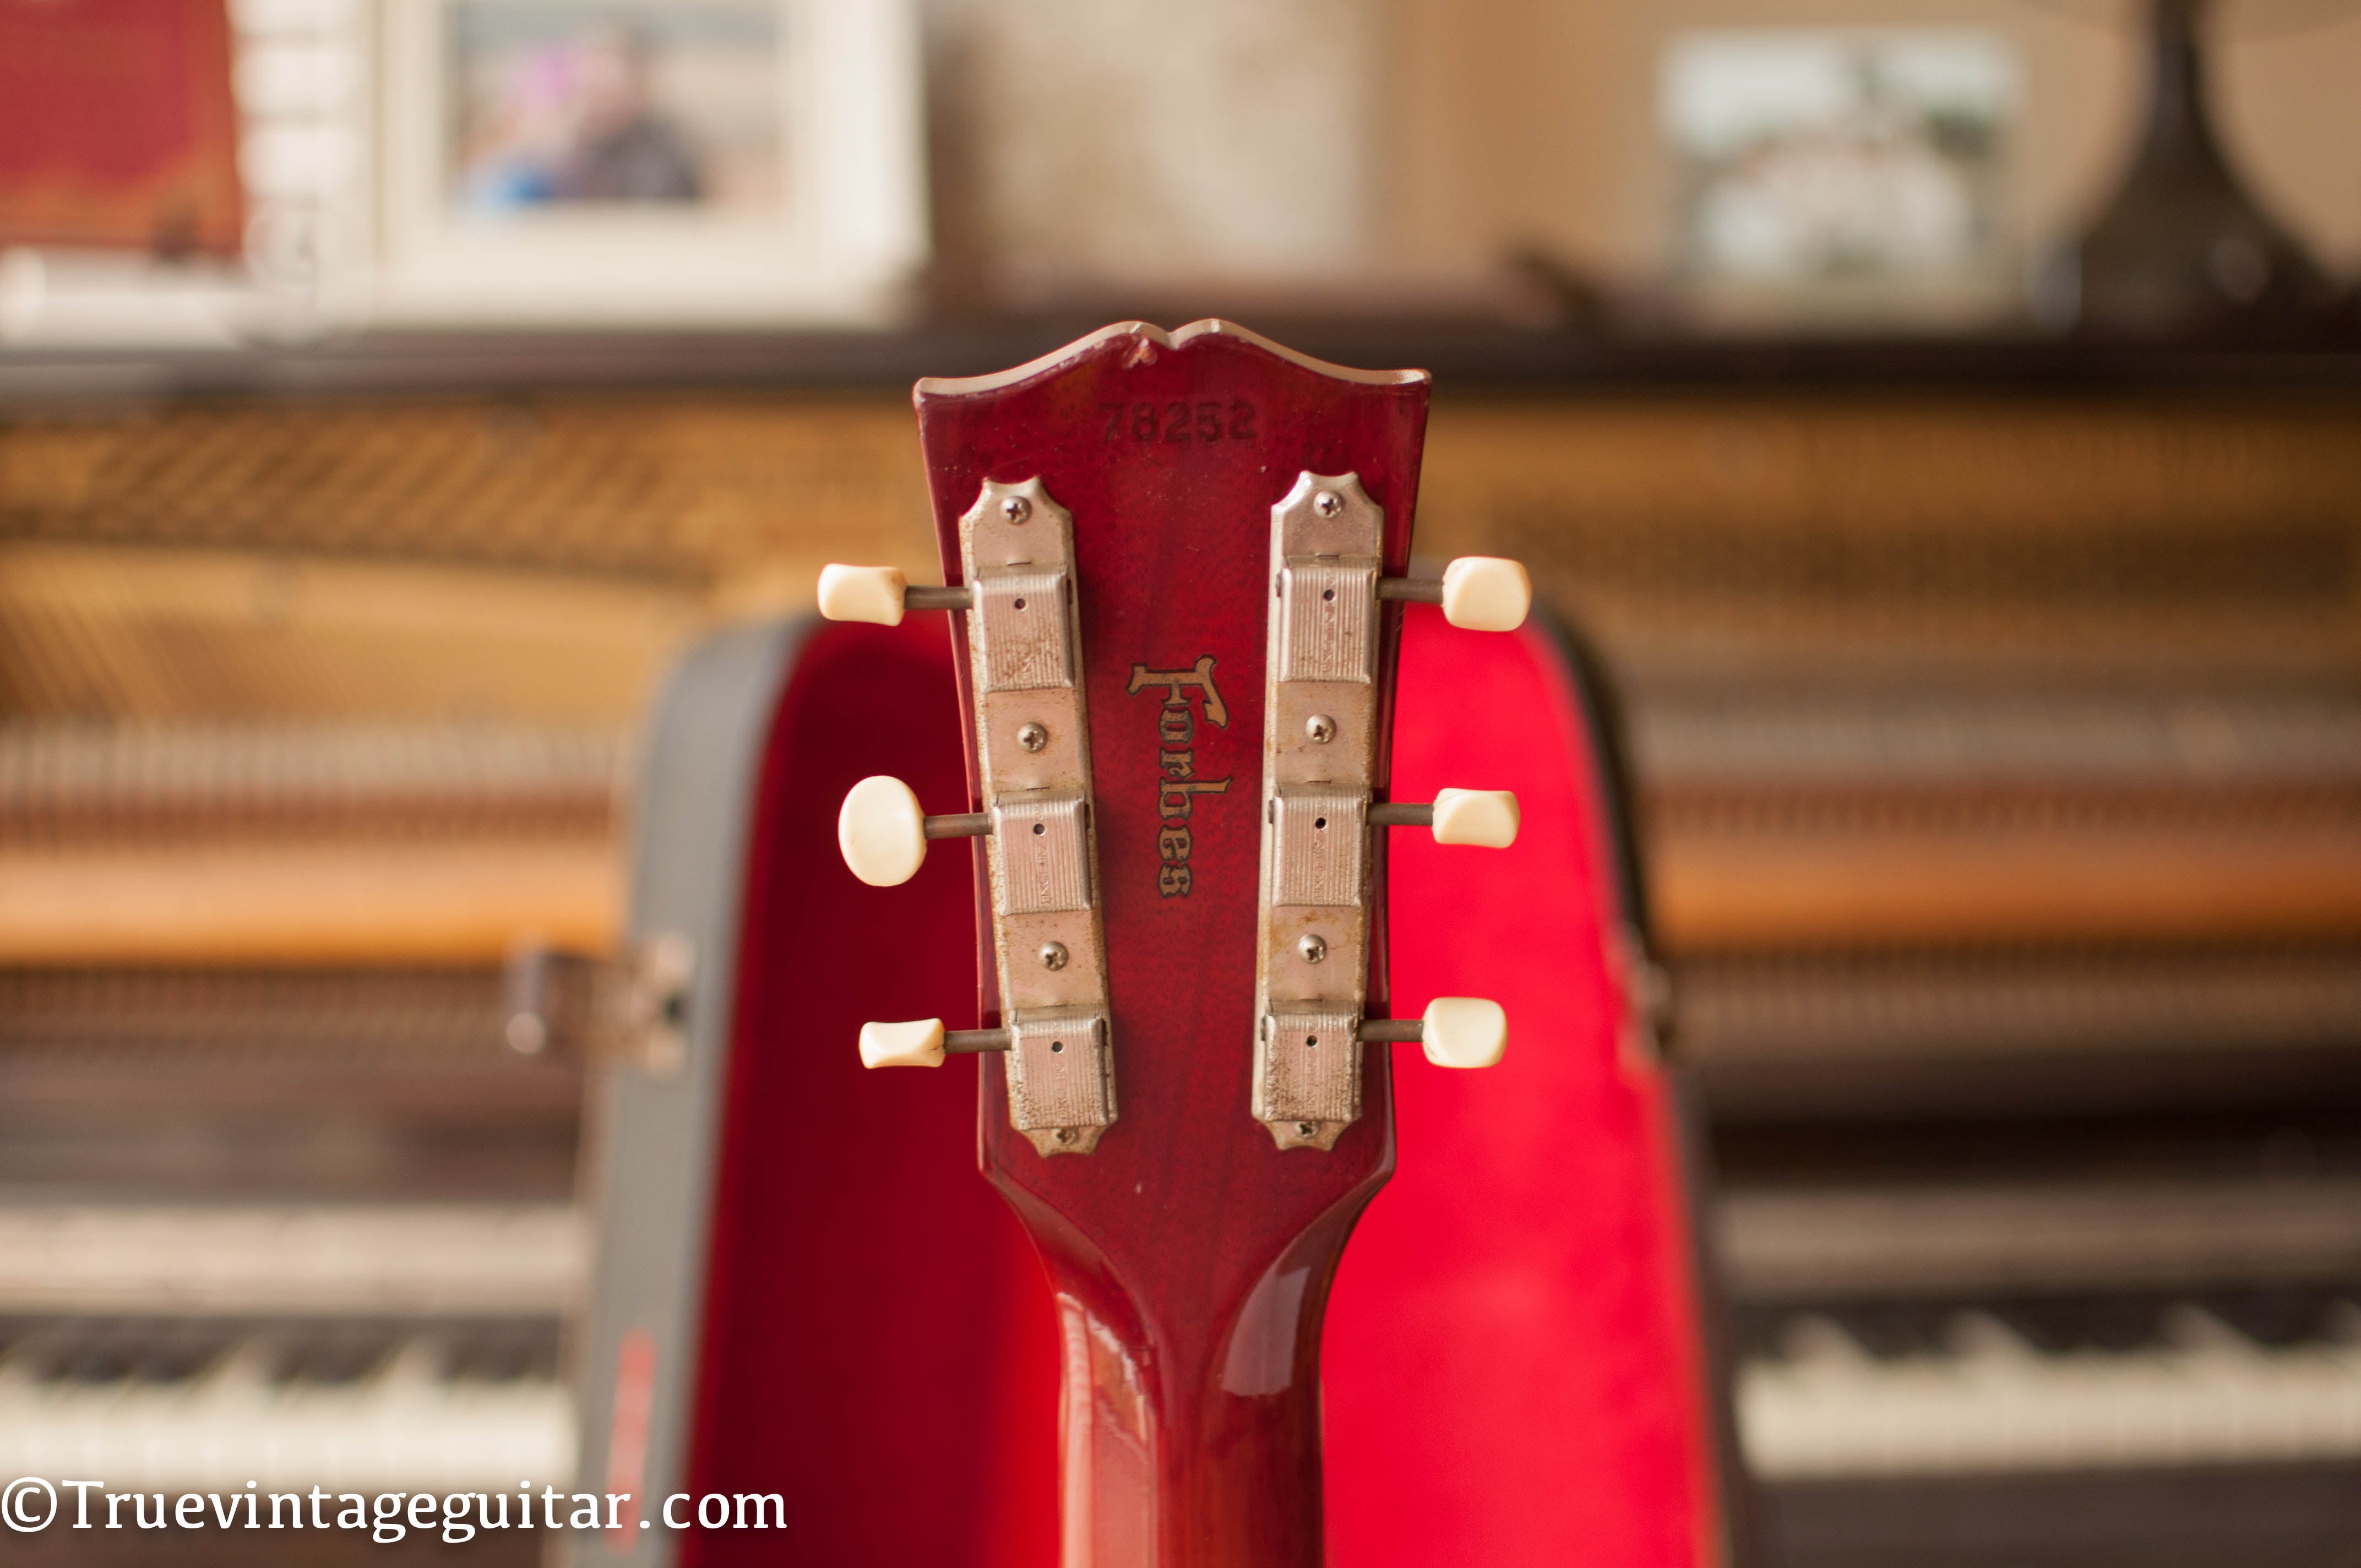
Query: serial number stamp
1181	422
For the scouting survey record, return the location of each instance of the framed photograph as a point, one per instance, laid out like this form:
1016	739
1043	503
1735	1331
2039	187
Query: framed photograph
1828	172
649	161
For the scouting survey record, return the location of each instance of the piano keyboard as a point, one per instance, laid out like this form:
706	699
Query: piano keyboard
1890	1388
342	1406
366	1348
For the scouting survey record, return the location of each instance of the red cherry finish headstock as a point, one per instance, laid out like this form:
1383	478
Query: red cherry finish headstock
1173	563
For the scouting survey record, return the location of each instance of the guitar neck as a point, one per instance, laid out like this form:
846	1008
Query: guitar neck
1190	1254
1194	1439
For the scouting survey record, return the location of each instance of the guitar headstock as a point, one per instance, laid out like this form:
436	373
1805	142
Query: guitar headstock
1174	564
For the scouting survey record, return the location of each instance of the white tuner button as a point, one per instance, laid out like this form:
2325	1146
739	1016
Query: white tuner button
1456	1031
1484	593
863	593
918	1044
882	831
1483	816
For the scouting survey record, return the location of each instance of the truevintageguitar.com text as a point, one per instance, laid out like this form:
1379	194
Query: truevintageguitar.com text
31	1504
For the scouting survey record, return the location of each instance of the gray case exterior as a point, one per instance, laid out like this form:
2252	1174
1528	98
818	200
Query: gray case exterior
653	1140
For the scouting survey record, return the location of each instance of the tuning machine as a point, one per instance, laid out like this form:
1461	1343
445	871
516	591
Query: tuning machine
1032	741
882	833
1477	593
1320	775
1454	1031
924	1042
1487	818
881	595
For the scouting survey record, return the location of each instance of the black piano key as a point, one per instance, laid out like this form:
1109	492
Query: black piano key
2061	1325
1890	1329
2276	1317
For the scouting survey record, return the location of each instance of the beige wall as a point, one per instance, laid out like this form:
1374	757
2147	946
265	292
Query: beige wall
1099	140
1525	118
2291	106
1537	119
1089	143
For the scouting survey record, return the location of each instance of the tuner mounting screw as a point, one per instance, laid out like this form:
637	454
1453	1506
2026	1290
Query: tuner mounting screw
1327	503
1065	1135
1304	1129
1032	737
1015	508
1320	727
1313	948
1053	955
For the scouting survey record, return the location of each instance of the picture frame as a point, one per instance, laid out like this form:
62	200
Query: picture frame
648	162
1844	177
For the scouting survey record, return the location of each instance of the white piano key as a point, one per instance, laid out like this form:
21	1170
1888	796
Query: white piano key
405	1426
1996	1404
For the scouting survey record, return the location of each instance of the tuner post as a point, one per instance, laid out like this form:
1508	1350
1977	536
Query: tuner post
880	595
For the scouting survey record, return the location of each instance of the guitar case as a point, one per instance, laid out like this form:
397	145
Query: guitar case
804	1291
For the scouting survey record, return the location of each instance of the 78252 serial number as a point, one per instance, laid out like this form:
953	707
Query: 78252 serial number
1206	421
